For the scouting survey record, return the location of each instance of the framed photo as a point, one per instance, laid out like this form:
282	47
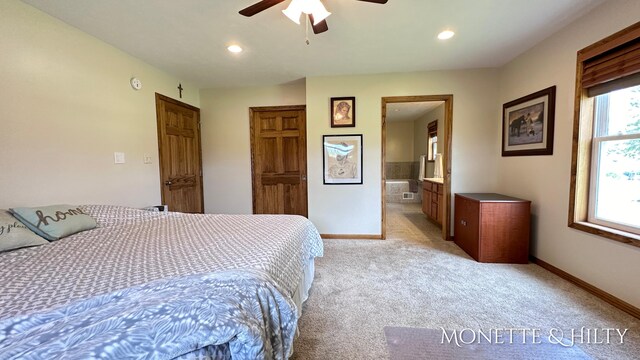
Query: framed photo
343	112
527	124
342	161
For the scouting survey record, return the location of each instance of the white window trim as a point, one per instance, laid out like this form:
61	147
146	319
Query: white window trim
595	171
601	119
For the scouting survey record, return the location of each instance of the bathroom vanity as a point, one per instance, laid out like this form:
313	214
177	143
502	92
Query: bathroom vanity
433	199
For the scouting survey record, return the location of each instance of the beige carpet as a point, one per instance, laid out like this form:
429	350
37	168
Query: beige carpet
416	279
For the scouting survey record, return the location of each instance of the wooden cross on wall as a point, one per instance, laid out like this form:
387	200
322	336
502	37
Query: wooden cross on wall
180	88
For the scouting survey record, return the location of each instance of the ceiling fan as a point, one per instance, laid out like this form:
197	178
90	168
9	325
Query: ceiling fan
314	8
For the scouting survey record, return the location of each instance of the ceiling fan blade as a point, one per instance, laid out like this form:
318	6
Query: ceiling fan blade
259	6
375	1
320	28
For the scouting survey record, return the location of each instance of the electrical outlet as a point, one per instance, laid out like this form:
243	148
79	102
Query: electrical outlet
147	159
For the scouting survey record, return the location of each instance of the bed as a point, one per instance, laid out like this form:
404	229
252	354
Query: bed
159	285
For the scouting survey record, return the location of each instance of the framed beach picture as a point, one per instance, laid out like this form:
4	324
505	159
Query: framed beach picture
527	124
342	161
343	112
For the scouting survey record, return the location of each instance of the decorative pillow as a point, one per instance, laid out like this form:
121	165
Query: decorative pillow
56	221
14	235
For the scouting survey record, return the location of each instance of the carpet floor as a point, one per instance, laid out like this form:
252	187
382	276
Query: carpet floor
416	279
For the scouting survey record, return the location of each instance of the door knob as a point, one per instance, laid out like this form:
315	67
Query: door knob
168	182
303	177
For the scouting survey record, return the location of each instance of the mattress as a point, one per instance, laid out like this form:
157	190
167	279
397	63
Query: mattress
159	285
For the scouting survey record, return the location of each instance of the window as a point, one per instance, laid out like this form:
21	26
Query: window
605	181
432	144
614	196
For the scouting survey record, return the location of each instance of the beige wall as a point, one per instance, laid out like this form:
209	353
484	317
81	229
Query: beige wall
420	137
226	147
400	141
356	209
352	209
544	180
66	106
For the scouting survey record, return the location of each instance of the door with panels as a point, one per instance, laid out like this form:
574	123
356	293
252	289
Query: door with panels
279	160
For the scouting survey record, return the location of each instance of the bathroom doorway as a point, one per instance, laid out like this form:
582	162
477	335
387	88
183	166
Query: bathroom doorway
416	155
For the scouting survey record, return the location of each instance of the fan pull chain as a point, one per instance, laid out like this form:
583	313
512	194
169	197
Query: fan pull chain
307	31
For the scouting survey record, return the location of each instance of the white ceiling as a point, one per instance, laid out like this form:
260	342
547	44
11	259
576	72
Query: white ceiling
410	111
188	38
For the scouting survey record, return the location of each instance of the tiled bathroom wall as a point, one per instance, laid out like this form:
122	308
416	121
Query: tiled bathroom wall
402	170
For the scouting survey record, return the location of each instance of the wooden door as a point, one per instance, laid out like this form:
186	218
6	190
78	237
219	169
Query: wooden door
279	160
180	155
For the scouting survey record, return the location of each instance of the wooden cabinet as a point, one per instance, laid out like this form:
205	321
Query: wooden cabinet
426	200
493	228
432	200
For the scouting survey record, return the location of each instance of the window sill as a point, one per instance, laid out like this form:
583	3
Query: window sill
610	233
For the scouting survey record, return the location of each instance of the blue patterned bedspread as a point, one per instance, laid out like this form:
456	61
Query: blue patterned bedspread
162	320
146	285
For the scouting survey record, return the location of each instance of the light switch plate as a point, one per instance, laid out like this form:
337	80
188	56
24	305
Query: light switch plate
118	157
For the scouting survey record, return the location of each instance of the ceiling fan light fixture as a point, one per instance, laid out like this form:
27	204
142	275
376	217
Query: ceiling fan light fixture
293	11
318	11
313	7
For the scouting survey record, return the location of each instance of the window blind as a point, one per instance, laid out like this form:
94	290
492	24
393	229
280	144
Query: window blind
609	65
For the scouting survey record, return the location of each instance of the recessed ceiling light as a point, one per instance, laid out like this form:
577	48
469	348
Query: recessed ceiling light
234	48
447	34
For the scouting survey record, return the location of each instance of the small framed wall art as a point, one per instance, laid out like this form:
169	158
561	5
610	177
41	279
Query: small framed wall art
343	112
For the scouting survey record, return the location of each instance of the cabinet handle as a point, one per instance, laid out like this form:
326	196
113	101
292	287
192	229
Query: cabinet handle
464	223
168	183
